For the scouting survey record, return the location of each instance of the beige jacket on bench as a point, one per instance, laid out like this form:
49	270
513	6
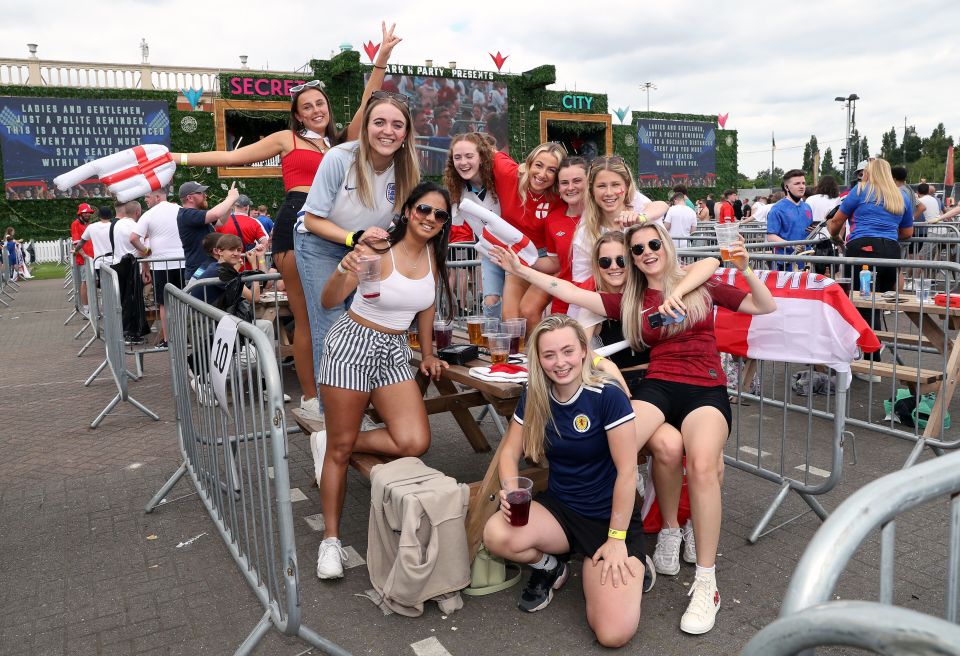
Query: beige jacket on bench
417	541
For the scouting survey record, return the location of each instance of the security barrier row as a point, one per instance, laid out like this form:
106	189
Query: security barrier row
232	429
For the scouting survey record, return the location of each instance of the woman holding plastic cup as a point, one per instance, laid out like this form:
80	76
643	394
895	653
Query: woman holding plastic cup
684	386
581	423
365	357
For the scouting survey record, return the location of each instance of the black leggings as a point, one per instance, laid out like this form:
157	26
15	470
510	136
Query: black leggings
886	277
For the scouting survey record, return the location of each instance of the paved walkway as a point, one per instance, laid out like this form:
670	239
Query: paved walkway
85	571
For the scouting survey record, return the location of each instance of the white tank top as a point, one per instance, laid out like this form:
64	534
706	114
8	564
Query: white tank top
401	298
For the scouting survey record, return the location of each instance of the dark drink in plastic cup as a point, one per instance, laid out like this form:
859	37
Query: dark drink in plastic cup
519	501
442	334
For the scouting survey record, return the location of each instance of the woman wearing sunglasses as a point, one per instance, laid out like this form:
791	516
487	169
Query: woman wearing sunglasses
684	386
613	203
301	148
365	356
528	196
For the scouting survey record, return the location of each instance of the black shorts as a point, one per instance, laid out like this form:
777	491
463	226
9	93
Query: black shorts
677	400
282	238
633	379
161	278
587	534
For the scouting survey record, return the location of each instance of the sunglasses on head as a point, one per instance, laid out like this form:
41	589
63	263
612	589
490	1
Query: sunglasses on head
606	159
423	211
399	97
654	244
307	85
605	262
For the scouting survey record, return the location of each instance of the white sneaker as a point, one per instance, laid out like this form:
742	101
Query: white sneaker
704	604
330	559
689	544
286	398
867	378
204	392
318	447
367	424
666	557
310	408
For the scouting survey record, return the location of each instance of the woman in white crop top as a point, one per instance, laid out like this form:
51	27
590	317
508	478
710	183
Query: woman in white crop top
365	356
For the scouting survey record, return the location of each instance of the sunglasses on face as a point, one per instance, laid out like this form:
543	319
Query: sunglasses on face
605	262
307	85
654	244
423	211
399	97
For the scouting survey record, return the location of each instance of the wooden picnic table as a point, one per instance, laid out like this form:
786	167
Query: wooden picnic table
457	393
930	319
271	306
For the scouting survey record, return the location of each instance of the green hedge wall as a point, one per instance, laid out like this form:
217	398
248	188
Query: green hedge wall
343	76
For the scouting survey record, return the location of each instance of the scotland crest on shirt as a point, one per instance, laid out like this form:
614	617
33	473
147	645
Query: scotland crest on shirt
391	192
581	423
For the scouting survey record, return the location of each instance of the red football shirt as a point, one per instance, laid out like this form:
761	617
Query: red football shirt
76	234
530	218
725	213
251	231
690	356
559	233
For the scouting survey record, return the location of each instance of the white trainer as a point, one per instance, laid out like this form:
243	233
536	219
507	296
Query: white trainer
666	557
704	604
310	408
689	543
330	559
318	447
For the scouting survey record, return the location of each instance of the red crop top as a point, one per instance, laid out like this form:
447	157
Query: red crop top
299	166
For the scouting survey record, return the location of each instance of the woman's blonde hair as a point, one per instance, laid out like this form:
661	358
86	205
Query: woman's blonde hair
406	172
698	302
551	148
536	411
591	223
880	188
606	238
485	149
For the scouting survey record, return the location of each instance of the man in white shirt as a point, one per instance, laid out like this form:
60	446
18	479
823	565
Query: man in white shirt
927	205
159	225
680	220
125	254
99	235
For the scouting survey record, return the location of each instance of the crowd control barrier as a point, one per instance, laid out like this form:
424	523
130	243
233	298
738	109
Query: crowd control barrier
809	617
89	276
232	438
113	344
6	284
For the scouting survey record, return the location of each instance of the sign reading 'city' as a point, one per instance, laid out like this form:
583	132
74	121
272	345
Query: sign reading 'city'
44	137
671	152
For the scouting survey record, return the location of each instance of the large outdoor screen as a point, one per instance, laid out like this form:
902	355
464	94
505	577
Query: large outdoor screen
671	152
44	137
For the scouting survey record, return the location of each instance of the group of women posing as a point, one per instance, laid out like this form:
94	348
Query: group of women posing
358	193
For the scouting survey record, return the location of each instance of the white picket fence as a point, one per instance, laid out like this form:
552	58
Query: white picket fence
49	251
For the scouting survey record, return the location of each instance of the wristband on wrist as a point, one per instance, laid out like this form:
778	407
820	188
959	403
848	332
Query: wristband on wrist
341	269
747	270
616	535
183	159
642	218
382	68
348	242
597	359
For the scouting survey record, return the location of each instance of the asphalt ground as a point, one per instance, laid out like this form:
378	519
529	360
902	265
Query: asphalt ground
86	571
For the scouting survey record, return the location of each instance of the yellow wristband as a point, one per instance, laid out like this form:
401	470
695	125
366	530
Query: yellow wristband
349	240
183	159
747	270
642	218
597	359
616	535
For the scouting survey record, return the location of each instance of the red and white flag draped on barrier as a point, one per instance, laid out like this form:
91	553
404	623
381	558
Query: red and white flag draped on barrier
814	323
493	230
128	174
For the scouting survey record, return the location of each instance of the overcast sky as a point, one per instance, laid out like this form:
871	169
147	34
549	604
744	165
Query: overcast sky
774	66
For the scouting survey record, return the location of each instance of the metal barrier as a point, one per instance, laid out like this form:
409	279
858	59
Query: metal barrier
229	453
5	276
113	345
466	281
807	616
72	280
89	275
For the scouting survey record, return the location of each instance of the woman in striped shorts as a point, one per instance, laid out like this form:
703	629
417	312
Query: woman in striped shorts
365	356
